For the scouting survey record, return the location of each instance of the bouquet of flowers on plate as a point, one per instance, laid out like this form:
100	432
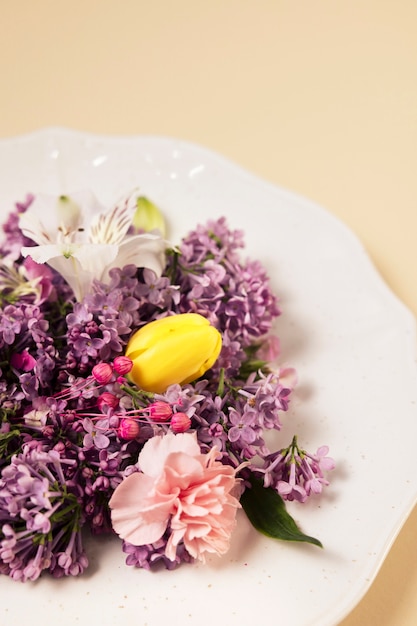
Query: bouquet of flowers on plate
136	390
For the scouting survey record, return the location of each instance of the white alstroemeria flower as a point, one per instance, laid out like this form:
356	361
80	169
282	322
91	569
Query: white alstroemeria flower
82	241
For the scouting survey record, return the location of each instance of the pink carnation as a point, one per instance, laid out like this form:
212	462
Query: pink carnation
180	487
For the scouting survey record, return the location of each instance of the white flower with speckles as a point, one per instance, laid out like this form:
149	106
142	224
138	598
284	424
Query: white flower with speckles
82	241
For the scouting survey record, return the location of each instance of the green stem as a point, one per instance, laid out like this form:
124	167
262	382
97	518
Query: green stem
220	386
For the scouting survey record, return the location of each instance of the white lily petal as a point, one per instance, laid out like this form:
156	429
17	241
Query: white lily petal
145	250
70	269
78	264
63	260
69	215
94	257
89	204
50	217
43	254
112	226
32	226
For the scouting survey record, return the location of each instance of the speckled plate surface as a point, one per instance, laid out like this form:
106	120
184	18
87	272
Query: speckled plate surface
353	344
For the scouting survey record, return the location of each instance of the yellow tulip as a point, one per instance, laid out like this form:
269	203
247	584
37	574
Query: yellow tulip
174	349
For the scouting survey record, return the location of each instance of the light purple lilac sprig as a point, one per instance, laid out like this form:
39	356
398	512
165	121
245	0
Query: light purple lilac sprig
40	517
295	473
153	555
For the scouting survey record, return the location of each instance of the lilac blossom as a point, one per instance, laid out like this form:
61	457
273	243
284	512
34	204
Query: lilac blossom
11	246
152	555
295	473
234	296
94	434
37	513
11	319
243	426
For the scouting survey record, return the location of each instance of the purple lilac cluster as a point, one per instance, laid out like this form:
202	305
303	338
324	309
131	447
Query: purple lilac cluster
99	326
235	296
151	555
71	423
40	516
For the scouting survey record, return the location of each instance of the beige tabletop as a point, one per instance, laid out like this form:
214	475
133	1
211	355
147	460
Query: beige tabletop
319	96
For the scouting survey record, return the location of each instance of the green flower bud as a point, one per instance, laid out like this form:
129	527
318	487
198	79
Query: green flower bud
148	217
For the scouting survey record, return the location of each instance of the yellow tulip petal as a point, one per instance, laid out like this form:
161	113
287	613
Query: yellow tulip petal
173	350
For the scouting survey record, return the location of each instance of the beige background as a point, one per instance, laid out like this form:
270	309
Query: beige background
317	96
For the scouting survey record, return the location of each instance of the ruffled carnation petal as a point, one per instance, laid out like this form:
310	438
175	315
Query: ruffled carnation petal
154	454
136	517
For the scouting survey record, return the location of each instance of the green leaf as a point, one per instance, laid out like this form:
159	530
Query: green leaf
267	513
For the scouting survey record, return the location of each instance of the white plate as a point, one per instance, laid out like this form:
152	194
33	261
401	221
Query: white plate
353	344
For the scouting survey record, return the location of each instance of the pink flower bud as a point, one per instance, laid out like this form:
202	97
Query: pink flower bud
122	365
102	373
23	361
180	422
160	411
128	428
107	399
